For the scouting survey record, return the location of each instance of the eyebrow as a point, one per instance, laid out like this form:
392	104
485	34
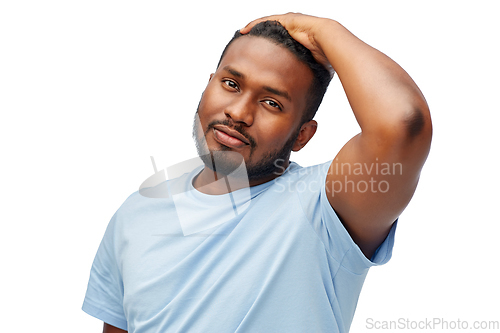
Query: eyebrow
278	92
267	88
234	72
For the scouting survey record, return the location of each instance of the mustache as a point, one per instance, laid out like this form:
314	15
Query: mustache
230	124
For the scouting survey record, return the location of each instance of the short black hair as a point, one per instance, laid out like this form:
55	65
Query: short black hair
276	33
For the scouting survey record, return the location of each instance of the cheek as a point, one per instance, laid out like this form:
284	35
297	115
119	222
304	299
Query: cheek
207	107
211	105
275	132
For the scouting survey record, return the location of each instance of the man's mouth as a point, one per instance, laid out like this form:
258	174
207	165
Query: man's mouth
229	137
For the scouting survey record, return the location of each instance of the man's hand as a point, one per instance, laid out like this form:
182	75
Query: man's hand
302	28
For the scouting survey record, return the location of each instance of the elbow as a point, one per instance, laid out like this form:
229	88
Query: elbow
410	130
406	128
417	123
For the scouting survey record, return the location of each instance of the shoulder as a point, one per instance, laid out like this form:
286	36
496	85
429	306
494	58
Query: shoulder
302	184
301	179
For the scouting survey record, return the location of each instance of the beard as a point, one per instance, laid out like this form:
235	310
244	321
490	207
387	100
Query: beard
225	162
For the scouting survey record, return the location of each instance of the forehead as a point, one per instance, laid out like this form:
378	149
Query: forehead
263	62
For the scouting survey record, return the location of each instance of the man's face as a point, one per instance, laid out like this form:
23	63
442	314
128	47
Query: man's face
253	105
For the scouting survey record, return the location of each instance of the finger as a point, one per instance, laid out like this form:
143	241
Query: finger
250	25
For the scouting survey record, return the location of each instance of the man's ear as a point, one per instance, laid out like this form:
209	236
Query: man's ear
307	131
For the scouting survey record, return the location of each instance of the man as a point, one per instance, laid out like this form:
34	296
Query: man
278	248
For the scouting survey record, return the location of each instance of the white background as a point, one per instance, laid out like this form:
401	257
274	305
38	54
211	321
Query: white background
89	90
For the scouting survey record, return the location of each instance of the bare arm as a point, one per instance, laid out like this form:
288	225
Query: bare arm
374	176
111	329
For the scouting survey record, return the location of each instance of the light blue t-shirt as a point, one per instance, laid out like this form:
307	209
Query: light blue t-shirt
270	258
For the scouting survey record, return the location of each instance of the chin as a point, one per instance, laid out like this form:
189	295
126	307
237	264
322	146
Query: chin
225	162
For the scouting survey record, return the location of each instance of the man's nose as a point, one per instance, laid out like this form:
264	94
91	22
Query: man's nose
241	110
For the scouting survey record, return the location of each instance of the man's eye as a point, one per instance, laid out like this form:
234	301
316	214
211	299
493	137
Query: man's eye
230	84
272	104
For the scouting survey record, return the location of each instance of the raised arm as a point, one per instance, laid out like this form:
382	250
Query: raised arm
374	176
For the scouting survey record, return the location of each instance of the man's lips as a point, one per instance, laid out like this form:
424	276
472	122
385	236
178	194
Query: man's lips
229	137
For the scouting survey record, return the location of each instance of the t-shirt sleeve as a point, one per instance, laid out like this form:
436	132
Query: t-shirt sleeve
333	233
104	297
